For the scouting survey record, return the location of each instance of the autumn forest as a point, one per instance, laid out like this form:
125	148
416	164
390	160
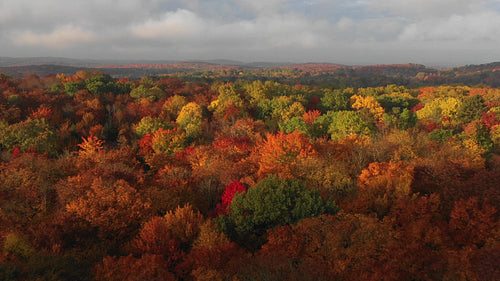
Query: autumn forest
235	174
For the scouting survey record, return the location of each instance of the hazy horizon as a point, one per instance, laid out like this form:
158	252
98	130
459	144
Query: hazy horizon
363	32
91	62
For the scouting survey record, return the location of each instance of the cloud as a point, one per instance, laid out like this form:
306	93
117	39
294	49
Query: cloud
421	9
186	27
63	37
95	14
291	30
478	28
172	25
263	7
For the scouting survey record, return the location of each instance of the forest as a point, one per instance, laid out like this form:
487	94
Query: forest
204	176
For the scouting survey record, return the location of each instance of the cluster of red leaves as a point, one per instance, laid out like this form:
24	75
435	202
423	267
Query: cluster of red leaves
227	197
489	119
417	107
145	144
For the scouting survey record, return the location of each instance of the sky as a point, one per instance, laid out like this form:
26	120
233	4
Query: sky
353	32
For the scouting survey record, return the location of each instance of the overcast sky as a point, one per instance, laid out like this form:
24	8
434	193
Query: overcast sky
431	32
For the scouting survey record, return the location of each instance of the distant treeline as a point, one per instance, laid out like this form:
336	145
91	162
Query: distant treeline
330	75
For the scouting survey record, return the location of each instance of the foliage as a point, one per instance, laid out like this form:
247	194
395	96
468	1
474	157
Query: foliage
17	246
228	97
381	184
232	174
90	146
397	100
173	106
471	108
272	202
143	92
190	119
148	267
227	197
295	124
441	135
29	134
335	100
168	141
280	152
440	110
149	125
346	123
369	107
113	207
407	119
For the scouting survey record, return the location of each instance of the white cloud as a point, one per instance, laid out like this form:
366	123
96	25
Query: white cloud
186	27
63	37
419	9
248	29
172	25
263	7
478	27
345	24
98	14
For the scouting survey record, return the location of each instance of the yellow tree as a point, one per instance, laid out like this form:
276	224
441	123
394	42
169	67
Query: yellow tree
190	119
381	184
173	106
441	109
296	109
369	107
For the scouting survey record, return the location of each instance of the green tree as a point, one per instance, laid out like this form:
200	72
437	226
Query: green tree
294	124
71	87
335	100
477	132
98	84
272	202
397	100
31	133
143	92
407	119
441	135
264	109
321	124
97	87
279	109
347	123
471	108
149	124
14	100
228	96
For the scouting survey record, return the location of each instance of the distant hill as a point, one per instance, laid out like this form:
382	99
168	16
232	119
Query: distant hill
19	71
26	61
327	73
181	66
315	67
125	70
